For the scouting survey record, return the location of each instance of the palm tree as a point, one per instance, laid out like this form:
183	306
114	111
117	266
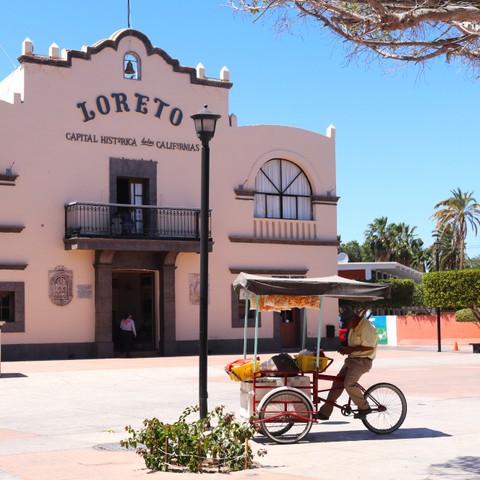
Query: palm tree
449	255
402	242
406	248
376	236
395	242
454	216
421	257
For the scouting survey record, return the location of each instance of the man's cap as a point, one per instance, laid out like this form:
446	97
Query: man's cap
348	314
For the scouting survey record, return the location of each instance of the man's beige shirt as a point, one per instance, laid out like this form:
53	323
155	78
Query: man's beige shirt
364	334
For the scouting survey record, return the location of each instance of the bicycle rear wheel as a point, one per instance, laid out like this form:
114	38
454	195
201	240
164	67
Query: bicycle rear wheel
286	416
389	408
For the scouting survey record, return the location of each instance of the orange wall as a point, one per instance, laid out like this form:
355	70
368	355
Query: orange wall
422	330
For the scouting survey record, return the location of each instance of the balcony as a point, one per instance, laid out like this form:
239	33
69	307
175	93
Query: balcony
92	226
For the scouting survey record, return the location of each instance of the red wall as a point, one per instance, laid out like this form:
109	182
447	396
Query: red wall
353	274
422	330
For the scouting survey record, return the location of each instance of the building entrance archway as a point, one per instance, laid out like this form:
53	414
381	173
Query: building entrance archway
133	293
141	283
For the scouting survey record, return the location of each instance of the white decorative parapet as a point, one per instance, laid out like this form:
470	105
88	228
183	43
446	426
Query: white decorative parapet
284	229
200	71
27	47
225	74
54	51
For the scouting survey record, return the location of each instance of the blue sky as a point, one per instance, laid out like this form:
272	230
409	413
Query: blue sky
405	137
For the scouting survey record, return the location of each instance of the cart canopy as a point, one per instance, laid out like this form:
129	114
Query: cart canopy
334	286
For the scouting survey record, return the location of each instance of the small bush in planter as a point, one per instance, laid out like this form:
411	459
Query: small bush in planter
216	442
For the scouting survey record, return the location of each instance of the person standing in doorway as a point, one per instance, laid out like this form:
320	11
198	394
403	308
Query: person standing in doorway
360	350
128	333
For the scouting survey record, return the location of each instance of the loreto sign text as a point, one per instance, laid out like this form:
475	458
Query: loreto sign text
120	103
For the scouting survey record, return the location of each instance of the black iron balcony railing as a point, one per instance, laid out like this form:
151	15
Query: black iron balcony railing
111	220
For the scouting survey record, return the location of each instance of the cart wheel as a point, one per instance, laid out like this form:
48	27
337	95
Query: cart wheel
389	408
285	415
278	433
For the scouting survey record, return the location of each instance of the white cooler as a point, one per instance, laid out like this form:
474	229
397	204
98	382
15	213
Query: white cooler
265	385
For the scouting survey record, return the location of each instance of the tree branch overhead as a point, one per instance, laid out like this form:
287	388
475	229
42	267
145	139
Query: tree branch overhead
407	30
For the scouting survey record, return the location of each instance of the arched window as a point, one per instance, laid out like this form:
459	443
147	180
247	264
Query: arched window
282	191
132	66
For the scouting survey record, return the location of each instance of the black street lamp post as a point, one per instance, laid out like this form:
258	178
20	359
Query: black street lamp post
438	244
205	122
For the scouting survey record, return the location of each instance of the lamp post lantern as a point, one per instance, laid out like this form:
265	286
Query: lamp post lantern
205	122
438	245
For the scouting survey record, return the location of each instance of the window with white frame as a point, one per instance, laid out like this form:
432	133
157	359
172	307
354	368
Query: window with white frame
282	191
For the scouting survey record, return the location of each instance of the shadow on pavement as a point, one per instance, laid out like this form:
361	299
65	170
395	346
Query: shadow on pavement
459	466
13	375
355	436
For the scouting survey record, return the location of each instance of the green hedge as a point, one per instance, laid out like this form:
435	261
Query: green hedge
453	289
465	315
403	292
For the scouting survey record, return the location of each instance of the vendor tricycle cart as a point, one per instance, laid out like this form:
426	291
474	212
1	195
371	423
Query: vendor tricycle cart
285	404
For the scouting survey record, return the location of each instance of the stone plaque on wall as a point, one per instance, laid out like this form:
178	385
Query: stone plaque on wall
60	285
194	289
84	291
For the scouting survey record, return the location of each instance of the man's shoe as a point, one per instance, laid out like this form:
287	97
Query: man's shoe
322	416
362	413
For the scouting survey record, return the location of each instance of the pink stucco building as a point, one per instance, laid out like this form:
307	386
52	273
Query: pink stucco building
100	196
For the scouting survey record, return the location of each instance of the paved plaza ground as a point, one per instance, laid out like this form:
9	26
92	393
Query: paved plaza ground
63	420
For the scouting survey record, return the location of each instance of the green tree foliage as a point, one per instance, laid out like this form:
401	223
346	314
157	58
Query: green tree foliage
473	262
465	315
352	249
398	242
367	253
395	242
376	236
454	215
406	247
448	253
453	290
403	293
417	300
407	30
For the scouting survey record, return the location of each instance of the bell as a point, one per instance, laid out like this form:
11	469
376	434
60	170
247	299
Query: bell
129	70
